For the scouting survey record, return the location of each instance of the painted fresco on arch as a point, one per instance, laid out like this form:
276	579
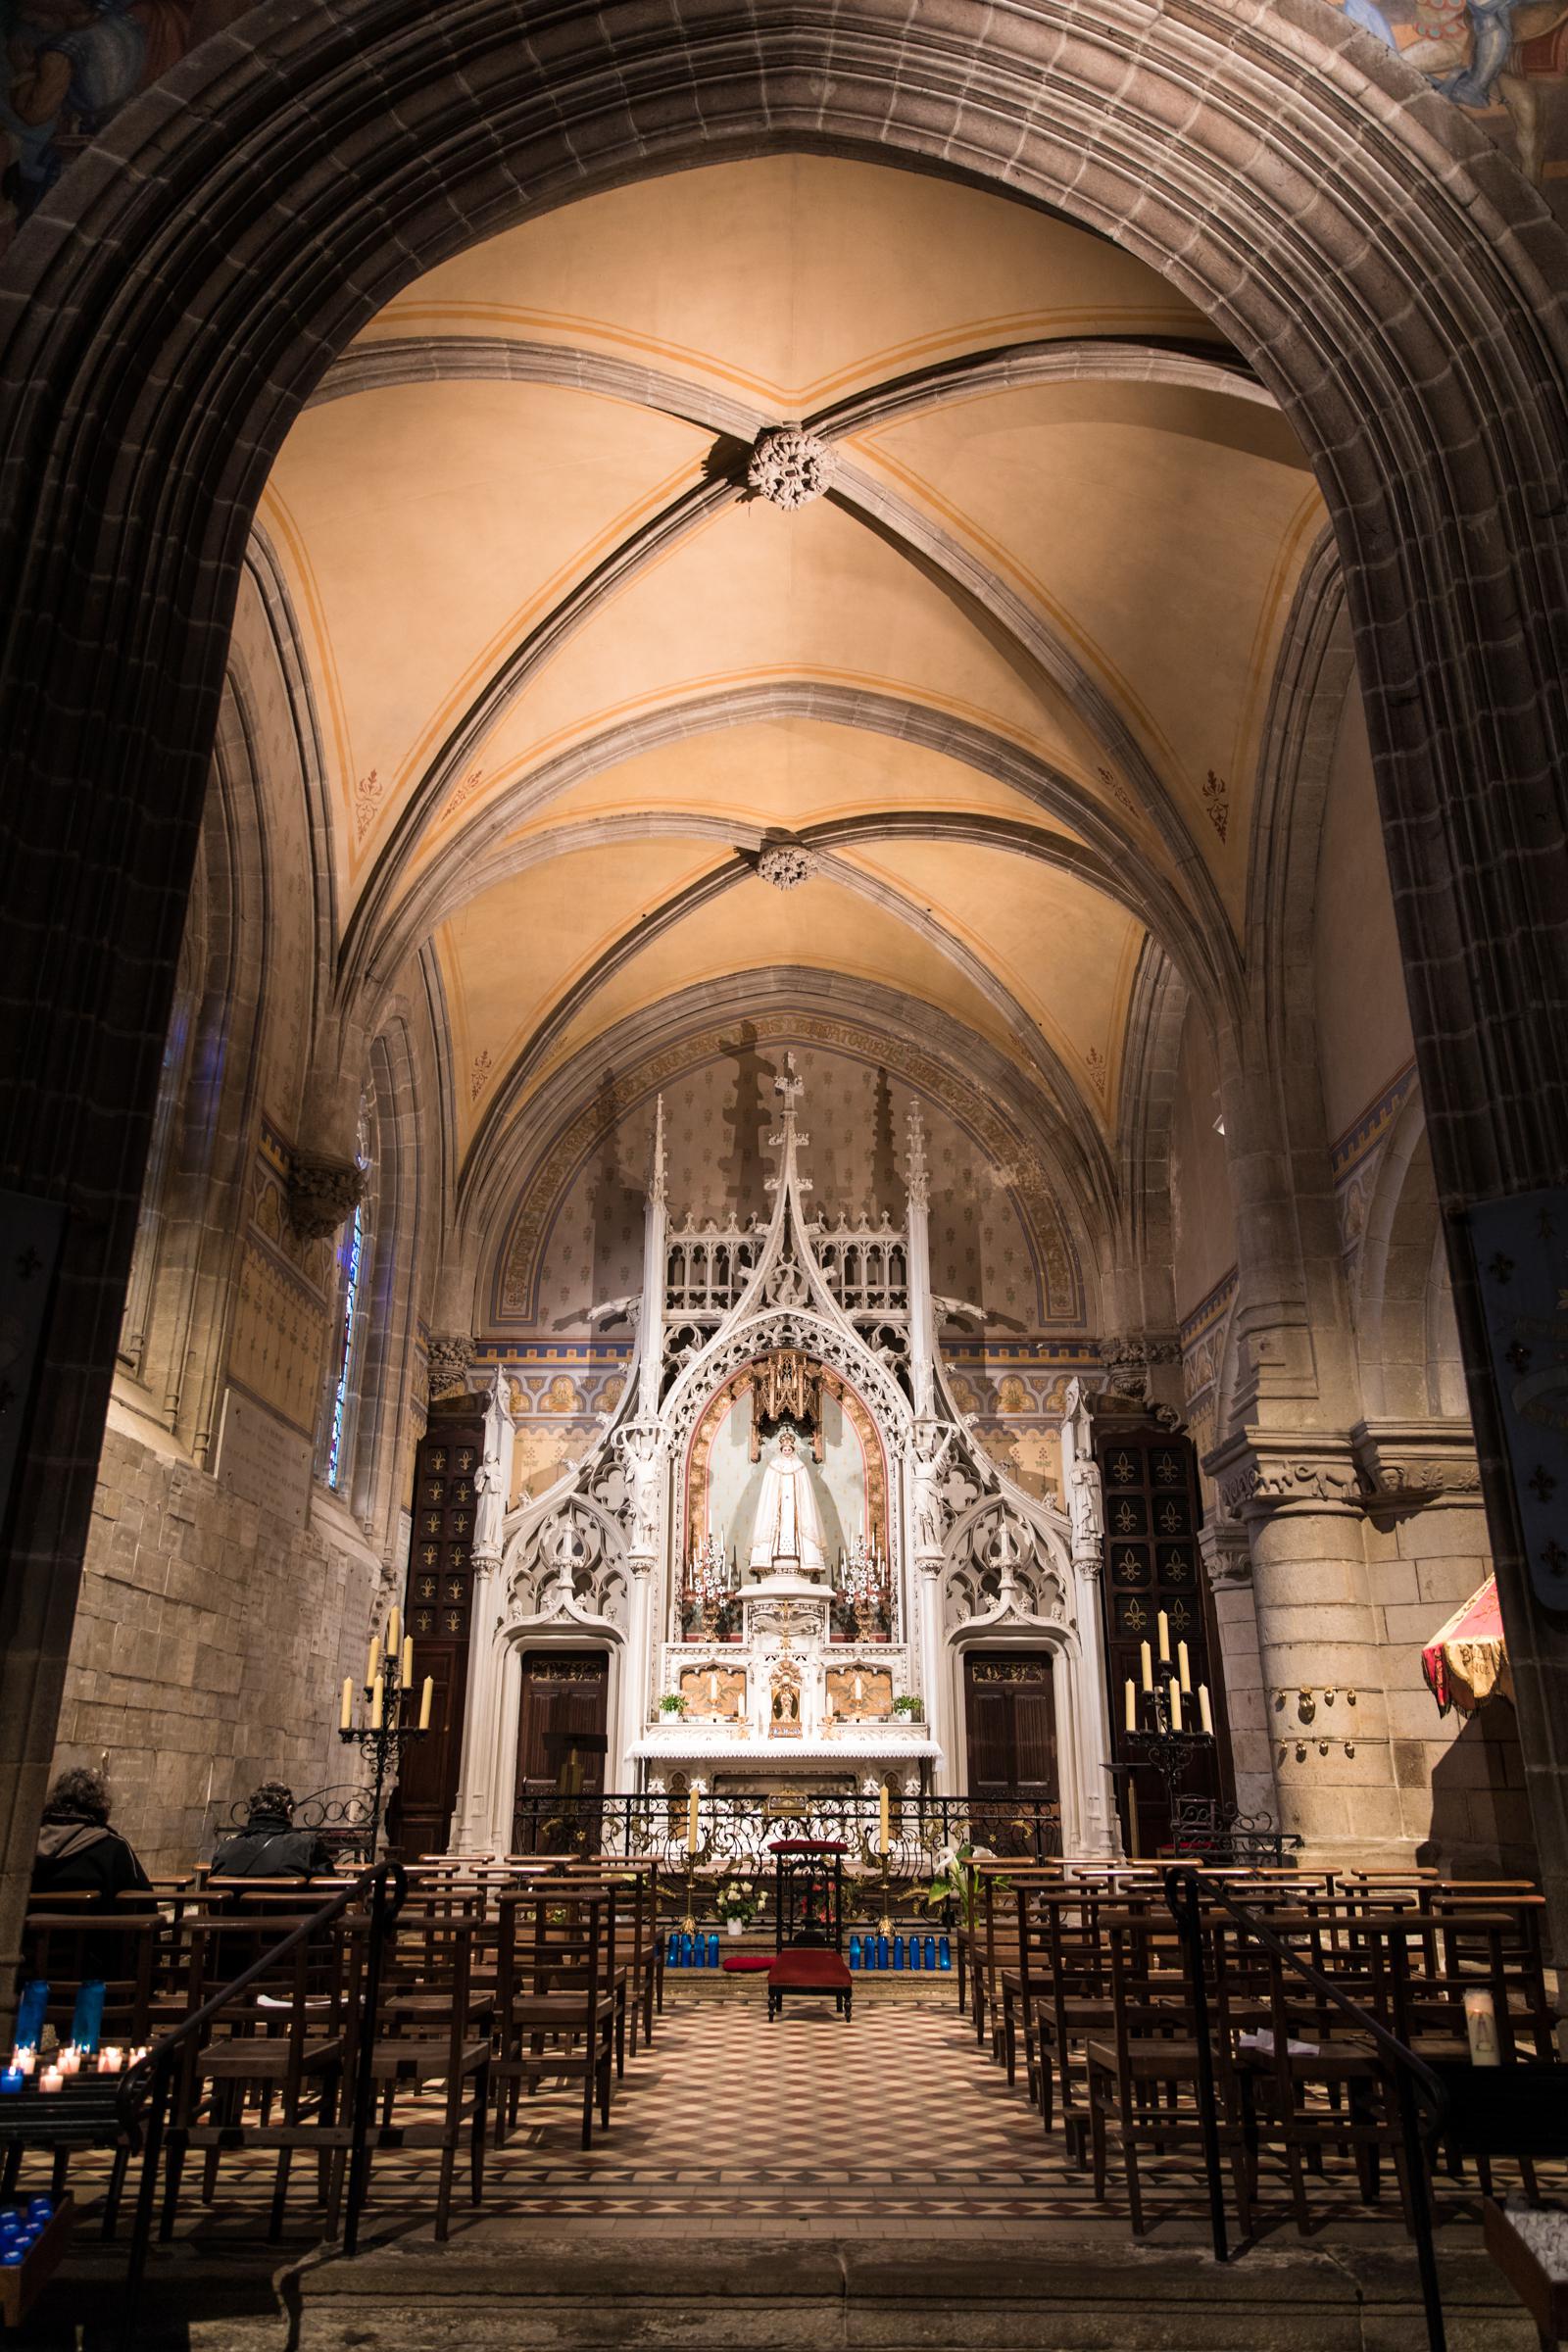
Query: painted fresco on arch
68	67
1503	61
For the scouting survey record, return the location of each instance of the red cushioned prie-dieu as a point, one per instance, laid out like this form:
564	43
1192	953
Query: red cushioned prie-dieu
814	1971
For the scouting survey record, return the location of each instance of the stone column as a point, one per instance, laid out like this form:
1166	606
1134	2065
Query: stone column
1227	1558
1099	1832
933	1684
1461	1786
637	1659
474	1814
1298	1494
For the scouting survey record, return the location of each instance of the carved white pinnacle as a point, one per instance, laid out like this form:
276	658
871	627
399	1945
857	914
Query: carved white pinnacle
790	467
786	866
917	1176
660	1178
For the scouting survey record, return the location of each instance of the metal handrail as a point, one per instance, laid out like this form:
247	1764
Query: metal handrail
150	2080
1185	1891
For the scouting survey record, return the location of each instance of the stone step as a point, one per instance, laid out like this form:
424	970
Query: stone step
556	2292
875	1985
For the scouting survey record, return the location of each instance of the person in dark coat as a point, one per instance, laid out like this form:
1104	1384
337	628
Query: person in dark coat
269	1846
78	1853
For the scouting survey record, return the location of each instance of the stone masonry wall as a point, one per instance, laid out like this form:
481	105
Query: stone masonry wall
1460	1779
210	1645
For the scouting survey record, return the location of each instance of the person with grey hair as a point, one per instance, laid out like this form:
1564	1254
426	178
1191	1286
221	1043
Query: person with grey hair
269	1846
78	1853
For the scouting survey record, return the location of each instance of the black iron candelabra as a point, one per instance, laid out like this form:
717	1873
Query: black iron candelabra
1162	1739
390	1721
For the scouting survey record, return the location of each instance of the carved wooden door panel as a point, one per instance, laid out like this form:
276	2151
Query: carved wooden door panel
1010	1714
436	1613
564	1715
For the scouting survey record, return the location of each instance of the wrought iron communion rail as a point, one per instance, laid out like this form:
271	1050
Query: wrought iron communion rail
926	1838
926	1834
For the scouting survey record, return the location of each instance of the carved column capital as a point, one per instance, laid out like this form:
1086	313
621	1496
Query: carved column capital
323	1193
1262	1471
1226	1553
1409	1465
450	1359
1129	1360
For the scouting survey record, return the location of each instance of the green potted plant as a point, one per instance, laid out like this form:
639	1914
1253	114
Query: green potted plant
672	1704
737	1905
910	1707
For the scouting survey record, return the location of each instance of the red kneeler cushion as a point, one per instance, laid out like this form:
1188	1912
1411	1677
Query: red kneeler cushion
811	1971
747	1963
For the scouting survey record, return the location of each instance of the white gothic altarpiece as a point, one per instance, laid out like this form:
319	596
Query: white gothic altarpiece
788	1526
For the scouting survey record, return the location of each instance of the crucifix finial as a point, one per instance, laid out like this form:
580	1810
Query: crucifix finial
788	1085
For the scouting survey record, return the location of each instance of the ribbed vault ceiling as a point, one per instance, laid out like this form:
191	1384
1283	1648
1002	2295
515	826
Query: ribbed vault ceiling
1007	681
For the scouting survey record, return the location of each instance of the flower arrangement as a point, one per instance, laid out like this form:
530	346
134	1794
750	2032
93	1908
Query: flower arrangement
672	1704
908	1706
737	1903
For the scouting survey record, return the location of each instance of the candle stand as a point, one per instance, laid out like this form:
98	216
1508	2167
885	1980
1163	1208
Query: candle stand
1158	1740
689	1924
385	1735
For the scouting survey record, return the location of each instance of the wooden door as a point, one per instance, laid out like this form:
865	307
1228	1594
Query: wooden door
1010	1713
564	1715
436	1613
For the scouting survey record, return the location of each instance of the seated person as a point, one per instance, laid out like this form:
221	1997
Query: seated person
78	1852
269	1846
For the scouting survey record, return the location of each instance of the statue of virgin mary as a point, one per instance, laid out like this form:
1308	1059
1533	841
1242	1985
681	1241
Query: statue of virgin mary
789	1529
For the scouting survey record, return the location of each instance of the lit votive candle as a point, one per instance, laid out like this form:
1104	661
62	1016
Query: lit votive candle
12	2079
27	2060
1481	2027
69	2059
51	2079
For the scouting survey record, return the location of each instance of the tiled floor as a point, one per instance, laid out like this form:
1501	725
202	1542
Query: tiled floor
895	2122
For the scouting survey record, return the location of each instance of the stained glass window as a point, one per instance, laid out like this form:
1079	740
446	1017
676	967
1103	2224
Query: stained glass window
345	1356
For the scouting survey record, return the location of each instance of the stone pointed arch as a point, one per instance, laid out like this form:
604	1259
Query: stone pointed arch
1287	173
375	952
559	1126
